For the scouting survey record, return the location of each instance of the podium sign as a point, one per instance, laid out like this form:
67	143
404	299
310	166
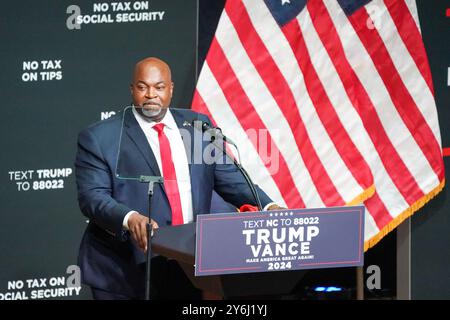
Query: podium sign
279	240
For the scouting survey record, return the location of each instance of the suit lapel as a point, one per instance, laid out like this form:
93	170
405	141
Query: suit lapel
135	133
187	135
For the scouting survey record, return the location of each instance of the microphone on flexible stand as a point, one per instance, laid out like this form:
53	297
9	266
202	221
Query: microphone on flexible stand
216	134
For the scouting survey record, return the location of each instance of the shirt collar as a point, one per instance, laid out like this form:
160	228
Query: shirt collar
168	120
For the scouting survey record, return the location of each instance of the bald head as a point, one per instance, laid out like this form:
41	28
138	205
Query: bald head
151	88
152	62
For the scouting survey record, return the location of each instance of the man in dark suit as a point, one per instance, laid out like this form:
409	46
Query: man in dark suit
112	251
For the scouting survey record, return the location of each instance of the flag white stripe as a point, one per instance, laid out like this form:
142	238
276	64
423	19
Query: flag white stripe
285	59
336	92
212	95
261	98
407	69
409	152
411	4
334	88
370	226
387	191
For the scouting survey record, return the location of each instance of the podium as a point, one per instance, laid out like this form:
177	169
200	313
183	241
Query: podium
236	253
178	243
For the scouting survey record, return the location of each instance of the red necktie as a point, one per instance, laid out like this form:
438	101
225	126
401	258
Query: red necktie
170	176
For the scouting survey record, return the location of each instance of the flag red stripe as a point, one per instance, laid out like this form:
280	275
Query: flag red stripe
272	77
249	119
378	211
411	37
200	106
363	105
407	109
357	94
325	110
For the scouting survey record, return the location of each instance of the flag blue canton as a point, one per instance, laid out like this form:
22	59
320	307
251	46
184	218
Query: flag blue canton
284	11
350	6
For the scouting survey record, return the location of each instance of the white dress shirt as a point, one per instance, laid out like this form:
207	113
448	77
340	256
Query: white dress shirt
179	158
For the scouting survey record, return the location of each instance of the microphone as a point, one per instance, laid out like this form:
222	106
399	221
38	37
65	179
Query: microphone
215	133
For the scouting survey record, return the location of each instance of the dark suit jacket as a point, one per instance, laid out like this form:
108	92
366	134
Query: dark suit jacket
108	257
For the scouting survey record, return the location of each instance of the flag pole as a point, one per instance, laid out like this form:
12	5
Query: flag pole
359	283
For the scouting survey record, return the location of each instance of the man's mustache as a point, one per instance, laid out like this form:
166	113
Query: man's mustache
152	103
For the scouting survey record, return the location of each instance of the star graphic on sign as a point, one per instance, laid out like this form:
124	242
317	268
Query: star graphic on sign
283	2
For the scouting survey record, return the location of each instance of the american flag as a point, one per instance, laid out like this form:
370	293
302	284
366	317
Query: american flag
343	93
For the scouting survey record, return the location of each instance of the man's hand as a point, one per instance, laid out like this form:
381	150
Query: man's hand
137	225
275	207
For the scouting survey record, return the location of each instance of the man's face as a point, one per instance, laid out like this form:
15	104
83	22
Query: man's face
152	89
